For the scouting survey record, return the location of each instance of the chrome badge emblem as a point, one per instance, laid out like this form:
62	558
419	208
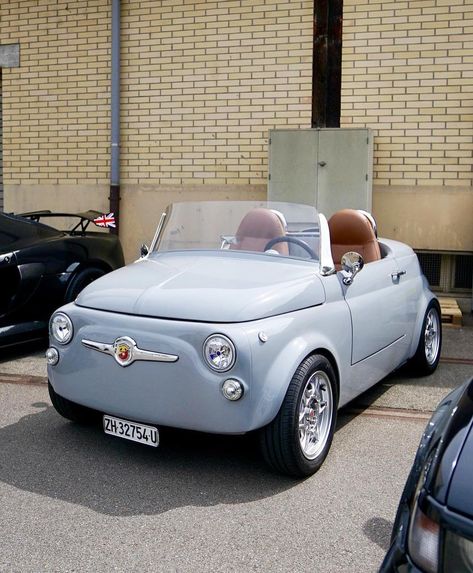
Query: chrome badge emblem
123	350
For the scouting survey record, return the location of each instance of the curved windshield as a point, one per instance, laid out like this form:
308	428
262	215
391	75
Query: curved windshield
269	228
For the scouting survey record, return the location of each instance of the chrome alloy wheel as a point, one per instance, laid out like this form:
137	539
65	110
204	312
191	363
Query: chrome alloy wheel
315	414
432	335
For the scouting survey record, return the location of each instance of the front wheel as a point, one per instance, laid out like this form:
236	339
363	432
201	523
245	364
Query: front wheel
297	441
427	355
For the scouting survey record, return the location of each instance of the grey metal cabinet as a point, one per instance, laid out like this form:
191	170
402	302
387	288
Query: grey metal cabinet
330	168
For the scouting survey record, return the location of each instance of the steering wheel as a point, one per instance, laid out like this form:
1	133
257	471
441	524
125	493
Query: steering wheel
293	240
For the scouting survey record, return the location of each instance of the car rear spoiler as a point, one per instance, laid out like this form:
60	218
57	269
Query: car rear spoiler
85	218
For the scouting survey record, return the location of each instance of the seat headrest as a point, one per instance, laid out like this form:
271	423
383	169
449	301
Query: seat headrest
257	228
260	224
349	226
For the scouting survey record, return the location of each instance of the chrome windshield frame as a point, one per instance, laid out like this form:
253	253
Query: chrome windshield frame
158	232
327	266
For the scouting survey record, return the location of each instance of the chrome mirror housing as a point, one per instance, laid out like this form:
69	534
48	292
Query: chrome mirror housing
352	263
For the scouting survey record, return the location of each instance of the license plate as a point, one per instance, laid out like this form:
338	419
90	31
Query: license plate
141	433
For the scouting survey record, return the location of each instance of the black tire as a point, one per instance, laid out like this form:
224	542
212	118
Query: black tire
71	410
281	440
80	280
421	364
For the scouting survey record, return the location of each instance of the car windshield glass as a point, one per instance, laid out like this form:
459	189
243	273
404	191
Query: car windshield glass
269	228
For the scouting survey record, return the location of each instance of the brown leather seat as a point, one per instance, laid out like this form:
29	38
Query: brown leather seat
257	228
350	230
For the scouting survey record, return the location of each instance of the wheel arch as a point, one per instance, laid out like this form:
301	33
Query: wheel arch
283	370
77	268
427	300
333	362
90	263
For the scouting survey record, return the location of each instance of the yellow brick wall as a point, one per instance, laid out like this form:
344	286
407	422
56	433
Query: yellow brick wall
203	82
56	104
407	73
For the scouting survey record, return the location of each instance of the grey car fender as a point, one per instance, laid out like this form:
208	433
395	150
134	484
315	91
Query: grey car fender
284	351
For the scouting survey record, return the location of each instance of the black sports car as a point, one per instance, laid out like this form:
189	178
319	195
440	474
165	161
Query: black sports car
42	267
433	530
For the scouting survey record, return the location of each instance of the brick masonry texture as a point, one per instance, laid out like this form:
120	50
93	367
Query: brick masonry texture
408	74
203	82
56	104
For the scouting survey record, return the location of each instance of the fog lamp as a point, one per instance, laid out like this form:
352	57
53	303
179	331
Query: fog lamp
52	356
232	389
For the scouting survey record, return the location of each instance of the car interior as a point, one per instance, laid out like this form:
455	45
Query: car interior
350	230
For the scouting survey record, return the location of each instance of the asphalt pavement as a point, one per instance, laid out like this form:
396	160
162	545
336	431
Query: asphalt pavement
73	499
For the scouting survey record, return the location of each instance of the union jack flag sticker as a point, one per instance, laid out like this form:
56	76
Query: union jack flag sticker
105	220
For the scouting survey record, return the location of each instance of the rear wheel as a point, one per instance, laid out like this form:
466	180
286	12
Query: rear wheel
83	278
297	441
71	410
427	356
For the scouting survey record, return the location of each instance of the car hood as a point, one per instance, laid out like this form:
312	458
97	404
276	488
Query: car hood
217	287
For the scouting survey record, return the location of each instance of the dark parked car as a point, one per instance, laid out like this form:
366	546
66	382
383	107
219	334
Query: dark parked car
433	530
42	267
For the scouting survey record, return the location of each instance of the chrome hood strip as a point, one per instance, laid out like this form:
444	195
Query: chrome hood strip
133	352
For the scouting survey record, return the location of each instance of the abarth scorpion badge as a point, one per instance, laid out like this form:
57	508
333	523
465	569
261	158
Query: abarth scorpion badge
123	350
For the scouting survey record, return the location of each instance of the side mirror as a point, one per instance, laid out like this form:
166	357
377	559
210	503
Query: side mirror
352	263
144	250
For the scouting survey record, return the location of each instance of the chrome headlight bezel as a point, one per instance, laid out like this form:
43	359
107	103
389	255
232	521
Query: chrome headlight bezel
61	328
224	342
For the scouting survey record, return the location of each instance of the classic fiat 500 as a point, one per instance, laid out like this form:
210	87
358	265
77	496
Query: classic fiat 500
244	316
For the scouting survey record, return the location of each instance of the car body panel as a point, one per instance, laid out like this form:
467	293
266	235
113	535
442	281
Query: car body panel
153	392
459	492
37	264
187	393
277	310
439	481
377	325
168	285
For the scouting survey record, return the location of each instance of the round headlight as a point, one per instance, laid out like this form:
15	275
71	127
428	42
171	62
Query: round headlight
219	352
61	328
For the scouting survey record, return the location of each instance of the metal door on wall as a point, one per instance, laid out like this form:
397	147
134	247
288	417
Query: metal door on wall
344	170
292	169
329	168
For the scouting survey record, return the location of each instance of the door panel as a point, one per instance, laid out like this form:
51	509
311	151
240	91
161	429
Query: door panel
378	309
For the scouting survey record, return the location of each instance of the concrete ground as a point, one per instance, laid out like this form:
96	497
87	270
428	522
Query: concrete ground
74	499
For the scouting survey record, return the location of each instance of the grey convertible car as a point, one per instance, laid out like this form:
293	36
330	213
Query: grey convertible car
240	317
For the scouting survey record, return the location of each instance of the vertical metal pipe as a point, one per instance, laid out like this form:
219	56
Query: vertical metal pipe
115	116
